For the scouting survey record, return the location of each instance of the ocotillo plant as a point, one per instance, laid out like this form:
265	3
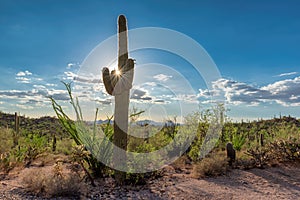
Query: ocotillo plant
118	83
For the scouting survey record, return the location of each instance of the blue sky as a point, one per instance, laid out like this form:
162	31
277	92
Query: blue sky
254	44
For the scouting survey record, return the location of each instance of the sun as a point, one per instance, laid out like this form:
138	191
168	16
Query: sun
118	72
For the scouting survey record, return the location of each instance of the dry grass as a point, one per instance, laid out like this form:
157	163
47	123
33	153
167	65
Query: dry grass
52	183
215	165
180	163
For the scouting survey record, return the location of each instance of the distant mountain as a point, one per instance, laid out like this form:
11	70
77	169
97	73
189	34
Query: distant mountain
140	122
104	121
149	122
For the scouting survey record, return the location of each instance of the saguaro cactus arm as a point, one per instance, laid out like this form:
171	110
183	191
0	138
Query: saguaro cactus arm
107	80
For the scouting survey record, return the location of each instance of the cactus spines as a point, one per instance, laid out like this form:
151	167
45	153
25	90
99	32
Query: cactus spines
118	83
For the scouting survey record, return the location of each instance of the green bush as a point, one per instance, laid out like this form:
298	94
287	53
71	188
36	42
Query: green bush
238	140
6	138
65	146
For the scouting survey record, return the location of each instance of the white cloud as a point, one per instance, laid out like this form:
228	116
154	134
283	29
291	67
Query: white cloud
70	75
285	92
187	98
39	93
139	94
25	107
22	79
72	65
38	79
20	74
162	77
82	78
26	73
107	101
40	87
51	84
287	74
152	84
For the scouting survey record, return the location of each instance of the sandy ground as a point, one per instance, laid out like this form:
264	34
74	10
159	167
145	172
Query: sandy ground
281	182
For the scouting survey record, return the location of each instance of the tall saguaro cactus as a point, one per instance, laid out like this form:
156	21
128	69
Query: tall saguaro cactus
118	83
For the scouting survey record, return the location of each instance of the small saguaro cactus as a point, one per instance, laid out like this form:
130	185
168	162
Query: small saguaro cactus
230	153
17	129
118	83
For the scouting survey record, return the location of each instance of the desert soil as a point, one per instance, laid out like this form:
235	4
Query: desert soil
280	182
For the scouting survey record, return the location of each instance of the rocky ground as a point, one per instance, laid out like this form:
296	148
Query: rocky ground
280	182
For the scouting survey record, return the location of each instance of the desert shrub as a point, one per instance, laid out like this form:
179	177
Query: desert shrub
160	139
281	147
181	162
141	162
65	146
141	178
209	125
194	120
5	162
238	140
135	143
170	128
30	147
25	152
288	149
245	163
214	165
52	184
261	155
6	138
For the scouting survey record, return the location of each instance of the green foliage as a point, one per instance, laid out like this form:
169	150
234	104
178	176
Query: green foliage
209	124
238	140
42	126
85	135
6	138
170	128
31	146
65	146
28	148
141	178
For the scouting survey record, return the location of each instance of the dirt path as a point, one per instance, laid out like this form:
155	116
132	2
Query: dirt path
281	182
273	183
